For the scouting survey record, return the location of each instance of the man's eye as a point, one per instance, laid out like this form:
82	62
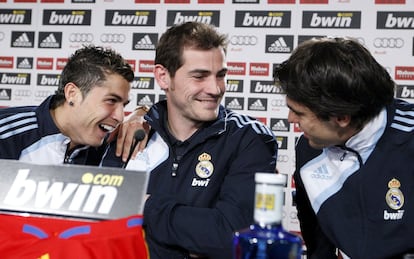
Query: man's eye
112	101
198	76
222	75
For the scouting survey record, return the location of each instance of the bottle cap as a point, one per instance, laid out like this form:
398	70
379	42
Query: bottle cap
271	178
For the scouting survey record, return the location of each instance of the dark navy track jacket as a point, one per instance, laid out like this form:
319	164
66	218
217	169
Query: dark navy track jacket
29	134
202	190
367	209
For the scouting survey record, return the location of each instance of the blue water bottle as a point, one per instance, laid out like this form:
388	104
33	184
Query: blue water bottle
266	238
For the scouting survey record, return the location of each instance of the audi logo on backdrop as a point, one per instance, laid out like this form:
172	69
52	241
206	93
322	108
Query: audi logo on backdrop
81	37
282	158
278	103
42	93
388	43
246	40
113	38
22	92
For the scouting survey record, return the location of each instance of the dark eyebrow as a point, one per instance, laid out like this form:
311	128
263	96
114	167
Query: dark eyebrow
224	70
199	71
203	71
293	110
119	98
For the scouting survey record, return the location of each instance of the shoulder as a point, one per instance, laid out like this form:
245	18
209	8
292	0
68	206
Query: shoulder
17	114
403	116
244	122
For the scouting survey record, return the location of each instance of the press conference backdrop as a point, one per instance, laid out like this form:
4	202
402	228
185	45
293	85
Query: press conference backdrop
37	36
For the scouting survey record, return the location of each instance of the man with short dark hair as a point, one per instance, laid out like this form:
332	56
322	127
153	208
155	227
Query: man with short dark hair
202	157
69	126
354	172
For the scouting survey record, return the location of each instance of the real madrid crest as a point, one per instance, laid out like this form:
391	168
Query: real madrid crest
204	167
394	196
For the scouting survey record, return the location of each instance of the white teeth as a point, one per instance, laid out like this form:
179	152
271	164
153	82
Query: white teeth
106	127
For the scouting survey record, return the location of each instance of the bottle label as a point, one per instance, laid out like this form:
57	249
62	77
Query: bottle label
265	201
268	203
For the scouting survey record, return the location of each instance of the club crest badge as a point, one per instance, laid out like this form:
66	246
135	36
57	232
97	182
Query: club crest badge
204	167
394	196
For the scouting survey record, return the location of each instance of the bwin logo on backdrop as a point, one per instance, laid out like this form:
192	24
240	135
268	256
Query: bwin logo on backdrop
282	142
264	87
48	79
15	78
234	85
331	19
208	17
143	83
15	16
395	20
130	17
66	17
263	19
405	91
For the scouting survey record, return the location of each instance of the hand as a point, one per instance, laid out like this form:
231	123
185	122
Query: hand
125	134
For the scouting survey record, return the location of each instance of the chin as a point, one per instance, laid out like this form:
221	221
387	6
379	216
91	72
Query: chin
315	146
97	143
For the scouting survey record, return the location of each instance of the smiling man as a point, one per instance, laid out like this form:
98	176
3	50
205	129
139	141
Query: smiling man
69	126
201	156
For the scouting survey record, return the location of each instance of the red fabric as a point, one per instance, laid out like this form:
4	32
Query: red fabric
110	239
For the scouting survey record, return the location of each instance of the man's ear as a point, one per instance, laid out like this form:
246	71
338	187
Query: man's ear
72	93
162	76
343	120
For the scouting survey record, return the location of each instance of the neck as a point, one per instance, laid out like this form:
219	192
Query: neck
57	116
182	131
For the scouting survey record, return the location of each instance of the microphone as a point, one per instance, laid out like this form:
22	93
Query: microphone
138	136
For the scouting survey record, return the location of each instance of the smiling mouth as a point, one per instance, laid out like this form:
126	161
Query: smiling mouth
209	101
107	128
